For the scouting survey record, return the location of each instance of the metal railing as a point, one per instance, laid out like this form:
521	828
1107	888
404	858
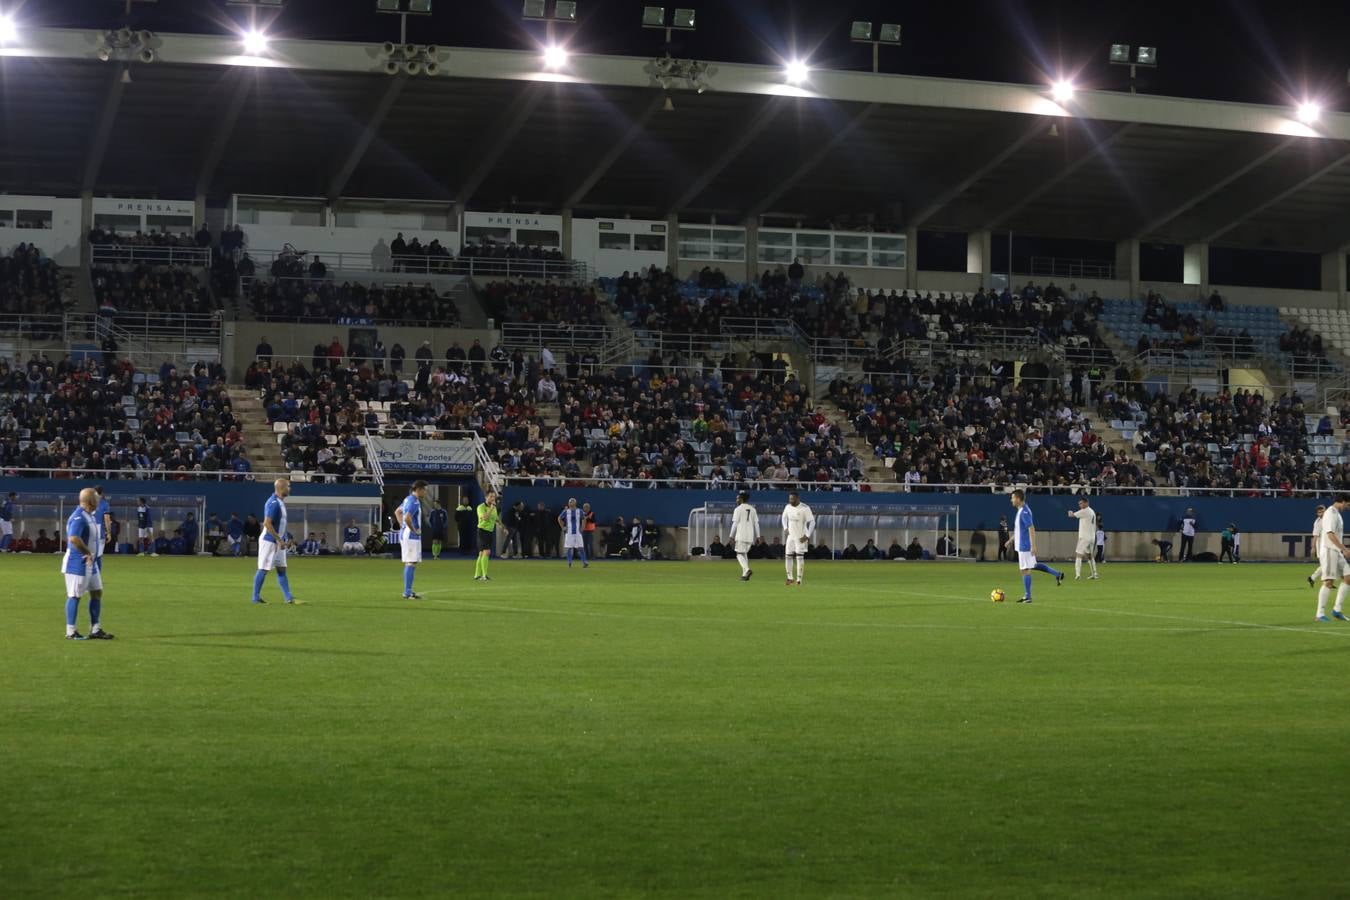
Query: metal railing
470	265
147	332
1056	267
748	329
162	475
32	328
537	335
149	255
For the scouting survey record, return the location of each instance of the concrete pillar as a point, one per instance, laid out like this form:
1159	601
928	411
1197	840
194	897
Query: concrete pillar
86	224
457	223
567	233
752	251
912	258
1195	266
980	255
1127	264
673	242
199	209
1333	275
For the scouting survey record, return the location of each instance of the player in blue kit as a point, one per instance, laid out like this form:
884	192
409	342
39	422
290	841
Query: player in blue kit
409	518
572	520
1024	540
80	569
145	531
275	540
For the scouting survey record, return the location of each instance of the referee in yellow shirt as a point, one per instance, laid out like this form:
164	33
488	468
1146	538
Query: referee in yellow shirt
487	534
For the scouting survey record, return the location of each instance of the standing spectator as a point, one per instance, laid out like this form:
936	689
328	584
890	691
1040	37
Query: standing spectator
398	249
511	520
396	356
1101	541
795	273
109	346
588	530
1002	538
1187	536
189	532
1226	543
335	353
477	356
252	531
423	355
465	522
7	521
263	352
546	532
317	270
438	522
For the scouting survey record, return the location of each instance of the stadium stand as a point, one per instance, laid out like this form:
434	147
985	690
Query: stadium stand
352	303
31	284
550	302
80	416
956	427
156	289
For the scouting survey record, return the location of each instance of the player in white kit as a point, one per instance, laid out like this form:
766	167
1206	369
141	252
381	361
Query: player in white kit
798	525
1316	575
1333	557
744	531
1087	535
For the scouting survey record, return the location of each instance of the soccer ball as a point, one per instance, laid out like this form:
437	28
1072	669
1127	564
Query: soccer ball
997	595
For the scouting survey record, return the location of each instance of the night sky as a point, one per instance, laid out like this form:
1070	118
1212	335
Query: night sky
1259	52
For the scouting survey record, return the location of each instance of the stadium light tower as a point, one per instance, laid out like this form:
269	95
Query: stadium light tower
551	13
1309	111
9	32
861	33
403	9
1144	56
1062	91
796	71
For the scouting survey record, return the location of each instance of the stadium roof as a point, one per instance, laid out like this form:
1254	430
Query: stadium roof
494	130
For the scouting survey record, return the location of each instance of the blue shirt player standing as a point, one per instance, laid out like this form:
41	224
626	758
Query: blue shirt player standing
7	522
272	546
409	518
1024	539
572	520
80	569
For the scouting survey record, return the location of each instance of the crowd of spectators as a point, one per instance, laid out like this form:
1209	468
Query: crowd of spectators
1233	439
319	403
1302	342
162	238
350	303
1192	333
31	284
958	427
74	416
412	256
550	303
151	289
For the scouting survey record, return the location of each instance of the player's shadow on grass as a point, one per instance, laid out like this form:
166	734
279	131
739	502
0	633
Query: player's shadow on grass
225	634
314	651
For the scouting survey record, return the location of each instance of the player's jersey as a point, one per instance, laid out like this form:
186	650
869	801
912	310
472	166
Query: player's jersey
100	511
1022	526
142	517
1087	523
7	511
351	535
1101	538
798	521
1317	531
1188	527
1331	524
275	510
573	519
80	525
412	519
487	517
745	524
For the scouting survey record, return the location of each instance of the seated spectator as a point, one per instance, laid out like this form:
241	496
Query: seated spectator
870	550
310	545
45	544
31	284
914	550
351	540
717	549
895	551
294	300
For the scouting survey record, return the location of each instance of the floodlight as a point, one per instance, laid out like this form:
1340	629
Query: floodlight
1120	54
555	56
565	11
653	17
890	33
419	7
684	18
255	42
796	71
1062	91
533	9
8	30
861	31
1147	56
1309	111
389	6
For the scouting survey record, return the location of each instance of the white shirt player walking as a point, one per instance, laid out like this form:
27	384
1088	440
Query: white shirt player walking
744	531
1087	535
1333	557
799	523
1316	575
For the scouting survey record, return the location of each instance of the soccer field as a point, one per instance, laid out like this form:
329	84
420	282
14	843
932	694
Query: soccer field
662	729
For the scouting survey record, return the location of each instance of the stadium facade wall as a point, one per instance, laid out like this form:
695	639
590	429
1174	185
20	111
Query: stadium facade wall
60	240
287	339
1272	528
325	240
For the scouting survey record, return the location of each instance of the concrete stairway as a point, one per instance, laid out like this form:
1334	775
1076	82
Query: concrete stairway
263	451
874	470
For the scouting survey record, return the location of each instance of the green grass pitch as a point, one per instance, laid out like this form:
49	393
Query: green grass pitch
661	729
